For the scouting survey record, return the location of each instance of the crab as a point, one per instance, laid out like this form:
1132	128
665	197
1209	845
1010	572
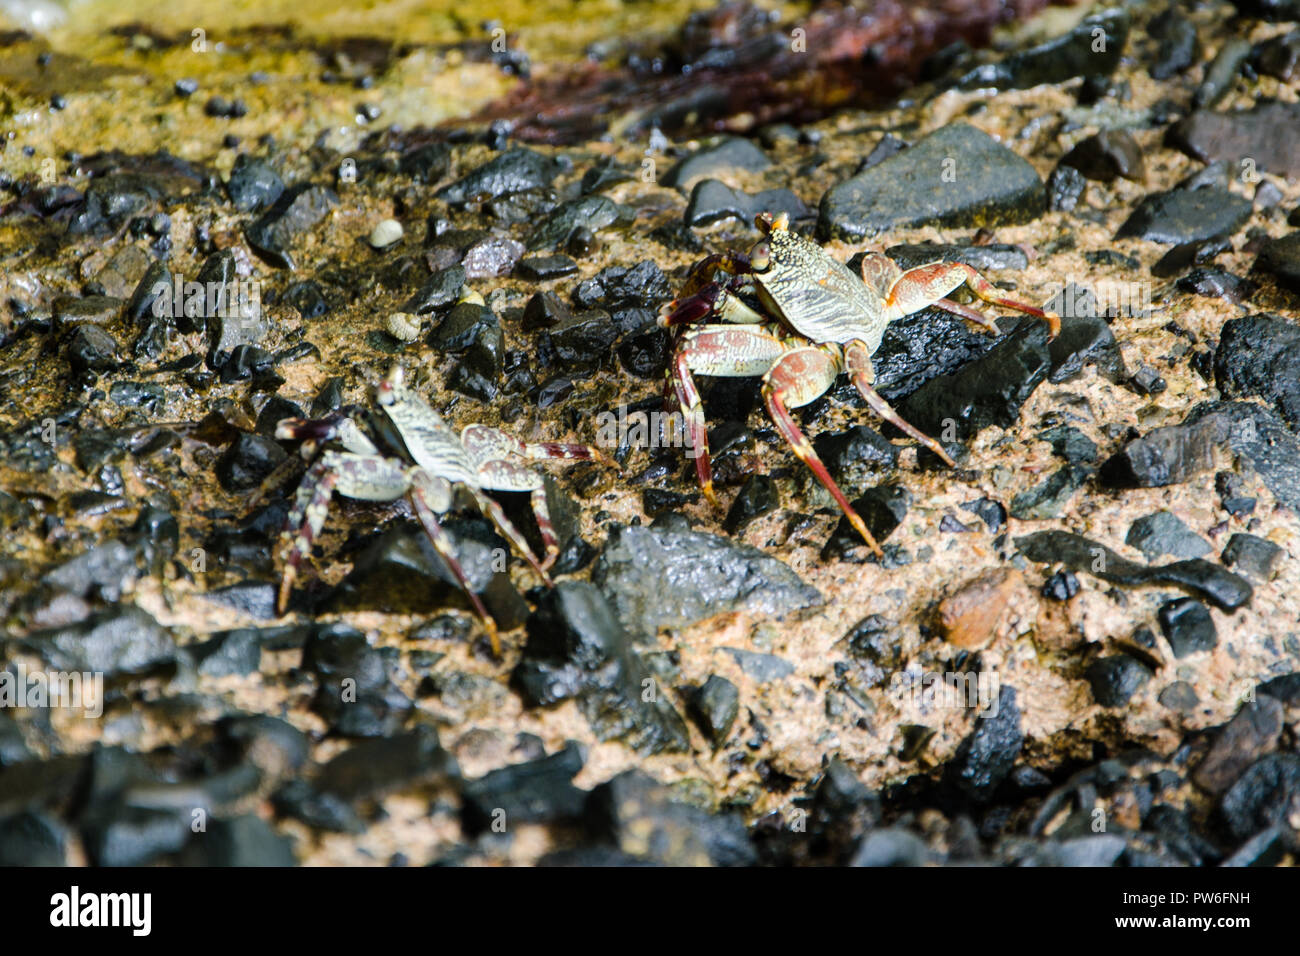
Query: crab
410	451
817	320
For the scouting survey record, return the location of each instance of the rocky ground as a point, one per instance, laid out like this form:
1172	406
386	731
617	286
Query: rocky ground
1082	646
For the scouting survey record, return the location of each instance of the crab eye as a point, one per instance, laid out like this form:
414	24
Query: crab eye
760	257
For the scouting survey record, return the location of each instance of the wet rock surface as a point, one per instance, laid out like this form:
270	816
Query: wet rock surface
922	186
1094	609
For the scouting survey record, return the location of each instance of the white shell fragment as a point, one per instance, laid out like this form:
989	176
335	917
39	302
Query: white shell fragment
385	233
403	326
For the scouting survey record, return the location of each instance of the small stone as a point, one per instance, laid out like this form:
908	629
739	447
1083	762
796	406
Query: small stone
1183	215
857	458
545	268
760	668
1065	187
1178	46
244	841
1269	134
591	212
385	233
891	846
637	815
91	349
426	163
248	461
1161	533
987	391
442	289
882	510
539	791
491	257
658	577
1093	48
1179	696
1265	795
1253	732
1259	355
1049	497
993	186
971	616
516	170
1116	679
713	707
1217	585
1280	258
1278	56
253	184
234	652
577	648
1187	626
713	201
297	211
116	641
1061	586
1222	72
985	758
1257	558
728	154
757	497
1108	155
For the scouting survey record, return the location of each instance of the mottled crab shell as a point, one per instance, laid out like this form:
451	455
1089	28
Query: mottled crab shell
430	441
816	295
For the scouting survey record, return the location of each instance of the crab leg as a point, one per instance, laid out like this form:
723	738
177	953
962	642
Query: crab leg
969	314
363	477
307	516
501	475
701	274
800	376
485	443
442	544
857	362
503	524
725	351
926	285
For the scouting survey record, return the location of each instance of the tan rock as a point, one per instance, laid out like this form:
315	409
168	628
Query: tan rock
971	616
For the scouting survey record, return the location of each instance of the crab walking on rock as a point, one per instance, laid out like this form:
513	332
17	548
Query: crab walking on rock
817	320
411	451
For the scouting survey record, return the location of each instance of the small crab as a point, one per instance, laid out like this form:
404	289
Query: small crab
375	464
818	319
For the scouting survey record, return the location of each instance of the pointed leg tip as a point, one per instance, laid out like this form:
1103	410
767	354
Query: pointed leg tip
860	526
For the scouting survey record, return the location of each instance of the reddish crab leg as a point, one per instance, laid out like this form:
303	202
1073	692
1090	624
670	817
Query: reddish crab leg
725	351
926	285
799	377
969	314
442	544
857	362
306	518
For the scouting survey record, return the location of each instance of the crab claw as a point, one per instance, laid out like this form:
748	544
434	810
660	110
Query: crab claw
692	308
766	222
